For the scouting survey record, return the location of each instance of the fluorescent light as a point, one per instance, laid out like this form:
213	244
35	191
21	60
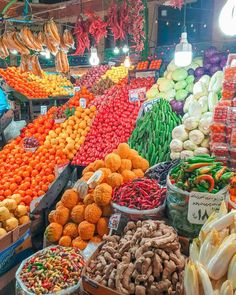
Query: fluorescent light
183	52
227	18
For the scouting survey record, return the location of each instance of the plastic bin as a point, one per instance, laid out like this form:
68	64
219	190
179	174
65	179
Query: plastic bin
220	149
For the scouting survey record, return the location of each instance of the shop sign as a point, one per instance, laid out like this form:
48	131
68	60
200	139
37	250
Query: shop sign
138	94
201	205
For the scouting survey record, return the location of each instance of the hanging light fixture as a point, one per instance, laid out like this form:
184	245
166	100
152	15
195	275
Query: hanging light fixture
116	50
14	52
125	49
183	50
127	62
94	59
227	18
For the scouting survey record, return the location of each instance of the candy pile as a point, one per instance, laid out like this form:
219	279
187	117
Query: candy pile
52	269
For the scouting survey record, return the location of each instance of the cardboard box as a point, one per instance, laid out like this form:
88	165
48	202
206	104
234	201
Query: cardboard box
90	287
15	246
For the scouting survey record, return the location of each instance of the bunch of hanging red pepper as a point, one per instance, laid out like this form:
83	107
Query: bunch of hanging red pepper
97	27
202	174
81	34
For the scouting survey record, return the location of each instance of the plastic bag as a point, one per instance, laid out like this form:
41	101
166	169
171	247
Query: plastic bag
22	290
134	214
13	129
177	210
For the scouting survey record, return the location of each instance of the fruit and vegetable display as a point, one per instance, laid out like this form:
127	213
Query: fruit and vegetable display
100	87
213	62
71	134
12	214
202	174
223	131
192	136
176	85
152	135
92	76
141	194
152	65
116	73
113	124
81	216
211	267
160	171
32	86
54	269
30	142
146	259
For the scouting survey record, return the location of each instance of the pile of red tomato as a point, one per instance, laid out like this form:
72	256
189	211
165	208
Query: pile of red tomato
113	123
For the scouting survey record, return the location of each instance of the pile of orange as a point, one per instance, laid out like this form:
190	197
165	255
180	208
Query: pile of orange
26	173
75	101
33	86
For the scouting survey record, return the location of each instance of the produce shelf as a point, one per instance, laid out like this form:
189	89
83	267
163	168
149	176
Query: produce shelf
33	106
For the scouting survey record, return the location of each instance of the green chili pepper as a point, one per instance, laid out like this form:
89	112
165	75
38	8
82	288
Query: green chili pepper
206	178
192	167
219	173
201	159
205	170
226	176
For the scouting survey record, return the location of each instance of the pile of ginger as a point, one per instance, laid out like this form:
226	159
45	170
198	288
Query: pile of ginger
146	260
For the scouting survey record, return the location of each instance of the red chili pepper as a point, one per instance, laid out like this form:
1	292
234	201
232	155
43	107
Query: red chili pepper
207	178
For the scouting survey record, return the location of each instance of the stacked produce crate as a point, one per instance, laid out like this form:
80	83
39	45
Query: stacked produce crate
223	129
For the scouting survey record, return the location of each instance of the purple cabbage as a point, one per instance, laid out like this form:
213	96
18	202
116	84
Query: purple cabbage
177	106
199	72
215	59
214	69
210	51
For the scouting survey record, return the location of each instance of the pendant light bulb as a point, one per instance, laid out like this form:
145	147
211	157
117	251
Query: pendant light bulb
94	59
183	52
125	49
227	18
116	50
127	62
14	52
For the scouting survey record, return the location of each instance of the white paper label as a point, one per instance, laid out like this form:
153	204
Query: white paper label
82	103
145	74
43	110
138	94
114	221
201	205
111	63
149	104
77	88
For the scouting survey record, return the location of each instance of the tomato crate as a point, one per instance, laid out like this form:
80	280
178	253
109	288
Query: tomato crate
221	114
220	137
220	149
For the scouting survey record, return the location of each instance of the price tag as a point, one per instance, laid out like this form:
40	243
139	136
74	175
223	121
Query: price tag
77	88
138	94
201	205
82	103
149	104
59	169
43	110
145	74
111	63
114	221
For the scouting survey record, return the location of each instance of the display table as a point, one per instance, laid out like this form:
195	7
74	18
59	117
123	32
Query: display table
5	120
35	107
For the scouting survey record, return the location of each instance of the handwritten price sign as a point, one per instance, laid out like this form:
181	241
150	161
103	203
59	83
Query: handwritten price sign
201	205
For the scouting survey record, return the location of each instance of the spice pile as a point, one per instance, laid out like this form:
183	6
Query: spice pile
202	174
51	270
141	194
145	260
